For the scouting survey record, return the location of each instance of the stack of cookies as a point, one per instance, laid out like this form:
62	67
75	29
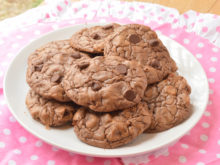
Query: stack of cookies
112	83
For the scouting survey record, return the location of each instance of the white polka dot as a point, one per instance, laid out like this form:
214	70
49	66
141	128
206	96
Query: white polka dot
51	162
7	131
200	163
10	54
37	32
11	162
184	146
199	55
217	155
204	137
205	125
55	149
24	29
72	22
215	50
0	112
172	36
15	45
12	119
186	41
158	32
89	159
1	42
34	157
2	145
212	69
207	113
182	159
38	143
55	27
4	64
17	151
202	151
211	91
22	139
19	36
200	44
210	102
2	102
102	21
107	162
218	142
214	59
211	80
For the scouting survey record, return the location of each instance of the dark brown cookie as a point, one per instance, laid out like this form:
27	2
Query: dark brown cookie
169	102
49	112
111	130
140	43
47	66
92	39
105	84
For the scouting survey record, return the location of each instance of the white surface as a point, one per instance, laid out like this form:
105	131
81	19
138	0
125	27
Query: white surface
15	95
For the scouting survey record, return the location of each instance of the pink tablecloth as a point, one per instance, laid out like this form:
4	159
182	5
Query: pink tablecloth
199	33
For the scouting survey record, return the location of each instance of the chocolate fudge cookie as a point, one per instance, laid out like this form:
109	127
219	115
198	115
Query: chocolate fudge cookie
111	130
47	66
140	43
49	112
169	102
105	84
92	39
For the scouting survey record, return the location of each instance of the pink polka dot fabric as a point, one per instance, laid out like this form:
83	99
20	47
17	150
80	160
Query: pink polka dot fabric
200	146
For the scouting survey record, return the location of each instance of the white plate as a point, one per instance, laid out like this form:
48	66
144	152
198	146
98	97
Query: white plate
15	95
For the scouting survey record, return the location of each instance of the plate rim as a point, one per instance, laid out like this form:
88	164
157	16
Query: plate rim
33	132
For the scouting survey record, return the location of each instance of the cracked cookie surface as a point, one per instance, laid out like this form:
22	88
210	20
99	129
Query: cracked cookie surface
47	66
168	102
111	130
49	112
140	43
92	39
105	84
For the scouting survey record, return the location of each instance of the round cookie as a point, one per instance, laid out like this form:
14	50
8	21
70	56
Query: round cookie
111	130
140	43
169	102
105	84
47	66
92	39
49	112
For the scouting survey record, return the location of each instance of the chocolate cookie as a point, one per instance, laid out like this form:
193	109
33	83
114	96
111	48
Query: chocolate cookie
49	112
105	84
169	102
47	66
92	39
111	130
140	43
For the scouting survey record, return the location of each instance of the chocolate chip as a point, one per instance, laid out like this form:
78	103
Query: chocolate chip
96	86
83	65
106	27
56	77
96	36
38	67
66	113
76	55
153	42
129	95
134	38
155	64
122	69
